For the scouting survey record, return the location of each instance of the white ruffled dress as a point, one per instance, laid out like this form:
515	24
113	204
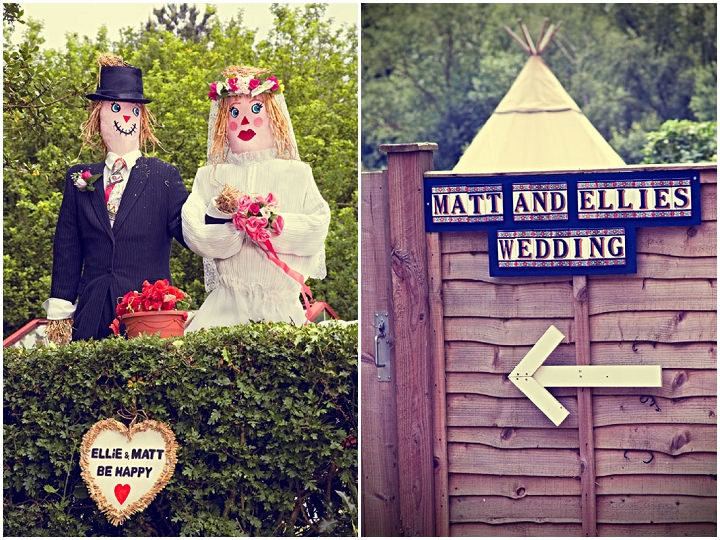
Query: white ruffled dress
250	287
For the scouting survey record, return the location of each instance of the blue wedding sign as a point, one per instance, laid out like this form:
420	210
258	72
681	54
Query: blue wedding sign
569	223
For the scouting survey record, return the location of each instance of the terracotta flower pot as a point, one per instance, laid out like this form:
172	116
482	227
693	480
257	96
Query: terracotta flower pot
165	323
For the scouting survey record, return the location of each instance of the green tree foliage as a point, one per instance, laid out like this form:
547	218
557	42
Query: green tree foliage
629	67
44	105
12	13
682	141
265	416
181	20
704	100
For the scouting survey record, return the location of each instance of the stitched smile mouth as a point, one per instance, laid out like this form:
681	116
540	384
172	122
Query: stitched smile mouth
121	130
246	135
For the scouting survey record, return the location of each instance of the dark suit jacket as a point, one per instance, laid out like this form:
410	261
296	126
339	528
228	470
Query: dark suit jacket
97	264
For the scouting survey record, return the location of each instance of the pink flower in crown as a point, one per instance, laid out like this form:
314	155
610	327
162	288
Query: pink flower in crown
253	84
233	84
244	203
278	224
212	94
274	86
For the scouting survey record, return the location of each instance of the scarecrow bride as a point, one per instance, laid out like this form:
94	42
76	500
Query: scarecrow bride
254	213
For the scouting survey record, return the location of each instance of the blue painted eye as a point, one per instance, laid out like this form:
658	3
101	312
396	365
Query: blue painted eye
136	111
256	108
115	107
234	112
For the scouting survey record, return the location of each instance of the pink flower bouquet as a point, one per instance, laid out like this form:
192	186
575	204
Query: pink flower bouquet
258	217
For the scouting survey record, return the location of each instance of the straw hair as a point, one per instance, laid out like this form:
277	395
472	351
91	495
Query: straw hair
91	126
59	331
227	200
278	124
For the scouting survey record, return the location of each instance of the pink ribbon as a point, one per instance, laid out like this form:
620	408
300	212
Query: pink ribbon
268	249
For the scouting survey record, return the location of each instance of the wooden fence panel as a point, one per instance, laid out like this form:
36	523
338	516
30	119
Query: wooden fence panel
512	437
626	461
656	450
489	509
516	529
512	472
655	509
672	439
657	529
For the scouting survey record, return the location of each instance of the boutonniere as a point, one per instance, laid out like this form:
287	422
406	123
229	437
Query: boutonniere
84	180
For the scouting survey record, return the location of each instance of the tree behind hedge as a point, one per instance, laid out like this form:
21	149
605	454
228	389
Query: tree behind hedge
44	105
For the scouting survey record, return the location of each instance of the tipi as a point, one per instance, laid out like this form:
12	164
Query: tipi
537	126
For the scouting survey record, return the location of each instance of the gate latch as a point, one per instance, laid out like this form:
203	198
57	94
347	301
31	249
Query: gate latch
382	345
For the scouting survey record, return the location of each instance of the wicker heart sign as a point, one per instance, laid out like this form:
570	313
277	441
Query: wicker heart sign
125	468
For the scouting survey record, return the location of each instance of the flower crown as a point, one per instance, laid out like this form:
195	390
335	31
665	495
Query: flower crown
244	85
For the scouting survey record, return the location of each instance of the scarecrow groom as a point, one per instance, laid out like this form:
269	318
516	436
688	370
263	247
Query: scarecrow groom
118	217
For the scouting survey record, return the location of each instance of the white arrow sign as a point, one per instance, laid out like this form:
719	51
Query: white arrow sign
531	377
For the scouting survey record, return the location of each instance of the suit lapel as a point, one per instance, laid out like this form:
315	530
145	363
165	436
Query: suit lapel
136	185
98	197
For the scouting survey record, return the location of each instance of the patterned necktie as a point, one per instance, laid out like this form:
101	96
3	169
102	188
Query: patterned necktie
113	200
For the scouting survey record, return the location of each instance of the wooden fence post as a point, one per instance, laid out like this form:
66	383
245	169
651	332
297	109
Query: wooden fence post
411	326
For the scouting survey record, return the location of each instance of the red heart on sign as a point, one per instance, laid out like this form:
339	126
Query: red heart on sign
121	492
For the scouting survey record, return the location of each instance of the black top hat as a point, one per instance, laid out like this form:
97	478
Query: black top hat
120	83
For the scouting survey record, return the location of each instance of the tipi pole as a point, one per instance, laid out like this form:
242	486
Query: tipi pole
528	39
517	38
545	40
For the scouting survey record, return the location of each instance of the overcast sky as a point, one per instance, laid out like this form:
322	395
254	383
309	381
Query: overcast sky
85	19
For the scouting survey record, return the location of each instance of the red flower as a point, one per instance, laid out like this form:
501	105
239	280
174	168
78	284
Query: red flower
130	303
86	174
232	83
255	209
253	84
115	327
159	296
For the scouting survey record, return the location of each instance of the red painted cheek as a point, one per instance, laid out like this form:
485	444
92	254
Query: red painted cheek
258	122
233	126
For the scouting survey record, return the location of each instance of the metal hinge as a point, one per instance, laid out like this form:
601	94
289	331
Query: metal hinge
383	342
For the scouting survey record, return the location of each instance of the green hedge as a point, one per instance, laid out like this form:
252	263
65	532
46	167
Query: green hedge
265	416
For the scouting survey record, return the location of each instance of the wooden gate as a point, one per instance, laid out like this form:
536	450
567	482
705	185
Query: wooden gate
451	447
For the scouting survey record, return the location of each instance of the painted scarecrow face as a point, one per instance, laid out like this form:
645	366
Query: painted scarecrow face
120	126
248	126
